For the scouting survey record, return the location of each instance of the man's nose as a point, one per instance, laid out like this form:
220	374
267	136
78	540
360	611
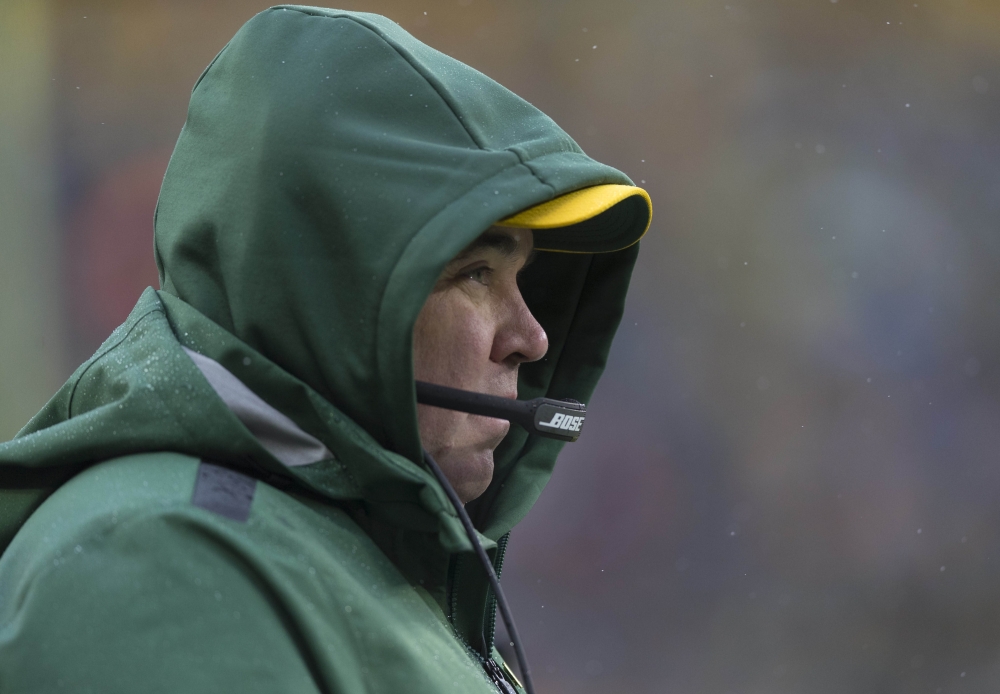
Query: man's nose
520	337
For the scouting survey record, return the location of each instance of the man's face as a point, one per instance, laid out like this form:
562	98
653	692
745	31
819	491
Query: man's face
472	333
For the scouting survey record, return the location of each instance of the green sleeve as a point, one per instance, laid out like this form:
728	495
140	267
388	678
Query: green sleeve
159	605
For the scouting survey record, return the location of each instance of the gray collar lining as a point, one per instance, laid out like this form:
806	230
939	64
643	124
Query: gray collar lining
278	434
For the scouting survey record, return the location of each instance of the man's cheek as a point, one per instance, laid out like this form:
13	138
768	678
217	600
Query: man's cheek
483	433
474	333
469	353
439	428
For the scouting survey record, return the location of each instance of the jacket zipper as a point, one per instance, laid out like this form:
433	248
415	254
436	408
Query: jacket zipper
502	677
498	677
491	600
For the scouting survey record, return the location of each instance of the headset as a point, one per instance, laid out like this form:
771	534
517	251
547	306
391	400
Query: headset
555	419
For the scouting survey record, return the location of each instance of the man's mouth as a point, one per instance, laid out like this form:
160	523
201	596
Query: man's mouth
493	430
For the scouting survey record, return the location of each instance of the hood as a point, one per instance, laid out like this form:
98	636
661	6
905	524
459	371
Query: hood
330	166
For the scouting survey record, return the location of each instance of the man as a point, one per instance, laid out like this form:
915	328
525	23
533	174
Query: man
231	494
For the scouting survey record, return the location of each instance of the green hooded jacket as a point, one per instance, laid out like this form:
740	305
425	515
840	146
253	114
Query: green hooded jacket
229	495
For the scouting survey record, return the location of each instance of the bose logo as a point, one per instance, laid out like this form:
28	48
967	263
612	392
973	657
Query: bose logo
562	421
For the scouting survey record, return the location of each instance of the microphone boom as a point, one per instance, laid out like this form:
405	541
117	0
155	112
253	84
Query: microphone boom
554	419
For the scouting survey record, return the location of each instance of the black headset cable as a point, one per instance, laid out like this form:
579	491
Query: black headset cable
470	531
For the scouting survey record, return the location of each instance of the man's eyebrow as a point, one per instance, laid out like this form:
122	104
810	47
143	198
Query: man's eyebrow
506	244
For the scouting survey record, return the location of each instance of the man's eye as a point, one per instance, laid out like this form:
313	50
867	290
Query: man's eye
479	274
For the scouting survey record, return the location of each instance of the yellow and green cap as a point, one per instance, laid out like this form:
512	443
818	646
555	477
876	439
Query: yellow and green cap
597	219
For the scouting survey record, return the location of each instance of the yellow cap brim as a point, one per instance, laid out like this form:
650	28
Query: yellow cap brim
598	219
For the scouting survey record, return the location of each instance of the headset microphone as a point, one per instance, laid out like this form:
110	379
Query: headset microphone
555	419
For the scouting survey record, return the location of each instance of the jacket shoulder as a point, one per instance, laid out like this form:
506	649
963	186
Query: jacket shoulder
183	497
121	581
114	586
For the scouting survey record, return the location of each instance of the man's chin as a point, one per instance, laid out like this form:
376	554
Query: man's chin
470	474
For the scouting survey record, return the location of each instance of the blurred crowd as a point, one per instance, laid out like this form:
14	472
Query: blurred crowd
789	481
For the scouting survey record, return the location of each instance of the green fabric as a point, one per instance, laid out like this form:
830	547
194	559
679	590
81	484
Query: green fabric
329	168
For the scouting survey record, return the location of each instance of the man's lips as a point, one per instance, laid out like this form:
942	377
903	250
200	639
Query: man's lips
495	430
507	393
503	391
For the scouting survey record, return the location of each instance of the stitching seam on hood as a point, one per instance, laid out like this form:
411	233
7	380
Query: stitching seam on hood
103	353
530	168
409	61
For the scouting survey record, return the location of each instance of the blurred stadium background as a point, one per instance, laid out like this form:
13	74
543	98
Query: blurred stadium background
791	478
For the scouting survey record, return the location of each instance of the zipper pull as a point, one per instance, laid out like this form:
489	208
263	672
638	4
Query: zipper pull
511	677
496	676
